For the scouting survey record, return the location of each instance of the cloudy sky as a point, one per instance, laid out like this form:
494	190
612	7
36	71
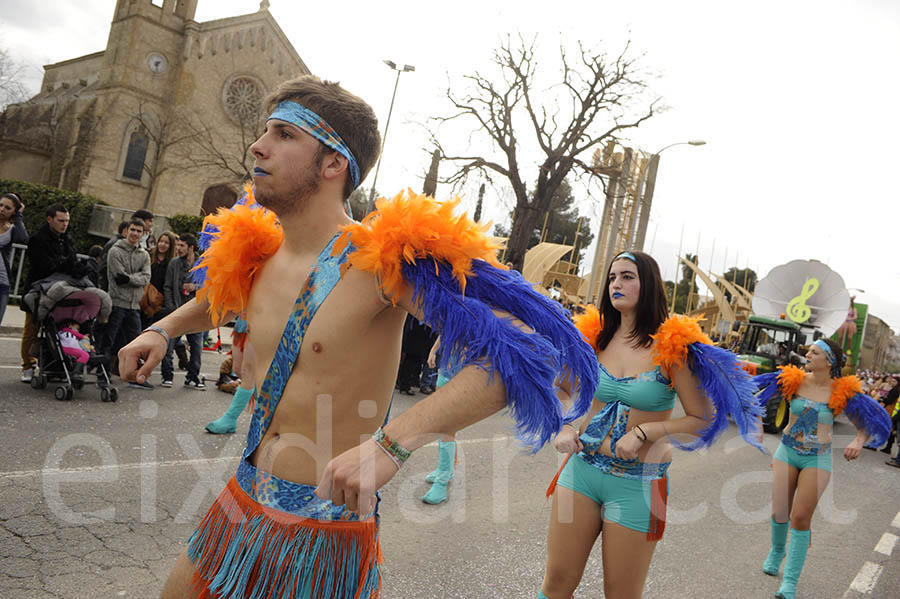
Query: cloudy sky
796	99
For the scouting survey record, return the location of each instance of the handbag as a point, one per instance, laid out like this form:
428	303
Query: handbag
151	301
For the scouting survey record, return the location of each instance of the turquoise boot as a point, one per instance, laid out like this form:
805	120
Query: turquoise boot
441	477
227	423
541	595
796	557
776	553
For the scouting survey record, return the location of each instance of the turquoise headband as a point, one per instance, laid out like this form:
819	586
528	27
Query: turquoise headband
628	255
829	355
307	120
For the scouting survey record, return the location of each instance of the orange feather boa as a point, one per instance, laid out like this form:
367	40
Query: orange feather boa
411	226
247	236
589	323
842	389
672	340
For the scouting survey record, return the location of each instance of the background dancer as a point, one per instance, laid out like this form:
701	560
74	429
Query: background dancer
615	484
441	476
243	365
802	465
325	300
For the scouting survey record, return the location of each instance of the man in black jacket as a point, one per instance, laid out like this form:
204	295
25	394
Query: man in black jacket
49	251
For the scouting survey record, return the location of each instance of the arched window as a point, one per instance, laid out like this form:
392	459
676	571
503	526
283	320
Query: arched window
137	153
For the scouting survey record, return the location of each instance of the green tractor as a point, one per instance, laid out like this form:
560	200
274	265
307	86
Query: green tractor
767	343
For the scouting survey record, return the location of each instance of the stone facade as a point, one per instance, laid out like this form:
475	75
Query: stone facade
182	95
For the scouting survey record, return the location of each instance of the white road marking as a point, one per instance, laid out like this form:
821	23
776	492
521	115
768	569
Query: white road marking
896	522
866	578
886	545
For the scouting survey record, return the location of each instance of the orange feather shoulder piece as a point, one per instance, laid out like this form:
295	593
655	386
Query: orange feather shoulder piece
246	237
789	380
412	226
842	390
589	323
672	340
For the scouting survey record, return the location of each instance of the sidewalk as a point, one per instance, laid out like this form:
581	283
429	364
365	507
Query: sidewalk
14	322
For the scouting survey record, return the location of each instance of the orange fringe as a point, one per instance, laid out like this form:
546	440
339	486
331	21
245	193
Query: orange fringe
411	226
552	487
589	323
247	237
659	499
672	340
842	390
234	509
789	380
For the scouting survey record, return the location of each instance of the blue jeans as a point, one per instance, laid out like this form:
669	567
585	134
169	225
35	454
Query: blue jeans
123	326
195	345
4	299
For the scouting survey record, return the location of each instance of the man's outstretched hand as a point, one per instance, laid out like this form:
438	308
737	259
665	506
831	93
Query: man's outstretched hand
138	359
352	478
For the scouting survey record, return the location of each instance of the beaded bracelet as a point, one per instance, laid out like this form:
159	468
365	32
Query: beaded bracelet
397	452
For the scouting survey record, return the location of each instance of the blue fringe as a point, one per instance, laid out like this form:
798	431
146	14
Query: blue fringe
869	415
731	391
768	386
528	363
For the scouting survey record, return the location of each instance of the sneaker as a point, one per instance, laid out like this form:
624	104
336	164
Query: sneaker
27	373
144	385
893	463
195	384
166	383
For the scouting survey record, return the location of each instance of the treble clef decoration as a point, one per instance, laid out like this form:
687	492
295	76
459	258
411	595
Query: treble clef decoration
797	310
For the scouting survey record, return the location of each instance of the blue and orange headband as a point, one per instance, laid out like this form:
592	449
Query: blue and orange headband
829	353
627	255
307	120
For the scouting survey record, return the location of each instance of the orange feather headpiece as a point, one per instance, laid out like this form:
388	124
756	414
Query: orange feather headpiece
672	340
247	236
589	323
411	226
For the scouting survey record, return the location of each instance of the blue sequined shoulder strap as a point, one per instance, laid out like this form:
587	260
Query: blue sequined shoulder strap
322	279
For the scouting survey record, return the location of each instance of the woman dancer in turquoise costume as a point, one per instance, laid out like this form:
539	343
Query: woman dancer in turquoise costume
802	465
614	483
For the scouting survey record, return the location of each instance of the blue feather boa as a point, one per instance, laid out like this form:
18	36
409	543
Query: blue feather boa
869	415
731	391
529	363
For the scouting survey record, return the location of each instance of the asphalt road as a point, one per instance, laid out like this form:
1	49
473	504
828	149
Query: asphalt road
96	500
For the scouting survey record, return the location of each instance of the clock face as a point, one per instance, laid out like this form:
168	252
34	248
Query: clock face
157	63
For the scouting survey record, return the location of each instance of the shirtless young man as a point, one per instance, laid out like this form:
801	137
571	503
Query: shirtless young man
268	531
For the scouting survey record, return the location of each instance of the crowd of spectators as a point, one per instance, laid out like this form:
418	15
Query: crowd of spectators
145	278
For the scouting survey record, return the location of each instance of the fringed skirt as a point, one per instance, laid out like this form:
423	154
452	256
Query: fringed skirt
244	548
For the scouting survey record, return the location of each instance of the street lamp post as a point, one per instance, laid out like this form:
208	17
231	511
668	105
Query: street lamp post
404	69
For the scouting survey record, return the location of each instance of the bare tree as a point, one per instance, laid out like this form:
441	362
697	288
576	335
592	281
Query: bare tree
11	75
596	99
228	151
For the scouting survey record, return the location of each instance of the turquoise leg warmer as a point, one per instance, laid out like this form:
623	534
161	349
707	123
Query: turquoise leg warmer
227	423
796	557
433	475
541	595
776	553
446	456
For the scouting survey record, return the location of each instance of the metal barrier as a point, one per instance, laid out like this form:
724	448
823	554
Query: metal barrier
18	253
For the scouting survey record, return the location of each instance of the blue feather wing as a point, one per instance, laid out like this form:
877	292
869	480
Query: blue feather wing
768	387
207	235
731	391
867	414
528	362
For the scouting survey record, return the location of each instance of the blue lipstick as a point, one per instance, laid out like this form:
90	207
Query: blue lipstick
259	172
617	295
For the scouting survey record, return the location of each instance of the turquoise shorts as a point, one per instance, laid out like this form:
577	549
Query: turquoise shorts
624	501
792	457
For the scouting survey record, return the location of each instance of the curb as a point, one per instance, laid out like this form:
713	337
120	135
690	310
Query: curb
11	331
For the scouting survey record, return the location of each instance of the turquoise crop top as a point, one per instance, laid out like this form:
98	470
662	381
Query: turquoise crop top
649	391
824	414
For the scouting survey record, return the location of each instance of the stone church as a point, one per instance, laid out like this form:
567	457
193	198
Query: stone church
161	119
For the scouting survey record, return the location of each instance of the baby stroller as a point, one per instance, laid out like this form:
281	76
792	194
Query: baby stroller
52	303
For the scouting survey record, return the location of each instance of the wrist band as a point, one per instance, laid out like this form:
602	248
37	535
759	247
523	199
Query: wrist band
637	427
159	331
397	452
397	462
